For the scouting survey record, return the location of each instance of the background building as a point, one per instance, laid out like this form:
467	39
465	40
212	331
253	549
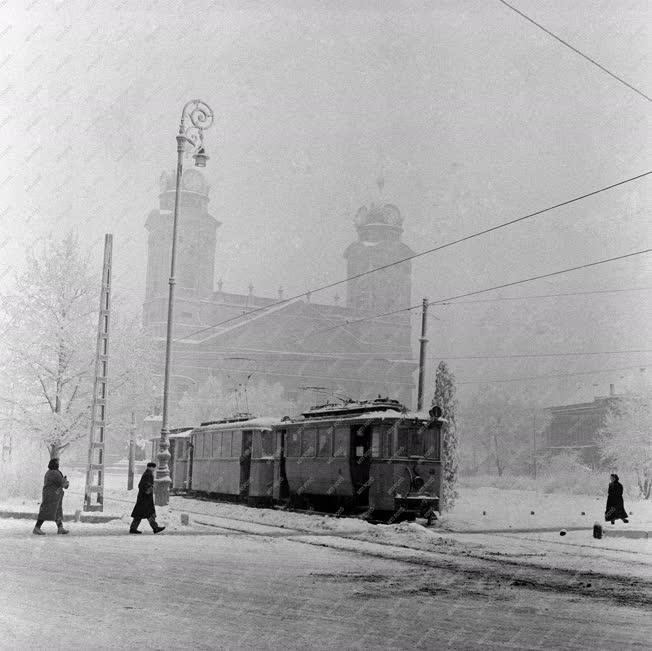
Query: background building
241	337
576	427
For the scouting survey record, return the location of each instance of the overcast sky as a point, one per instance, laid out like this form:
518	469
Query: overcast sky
474	115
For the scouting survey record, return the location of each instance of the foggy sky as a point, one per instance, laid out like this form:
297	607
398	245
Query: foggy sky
473	115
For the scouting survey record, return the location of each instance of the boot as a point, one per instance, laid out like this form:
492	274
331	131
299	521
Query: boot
154	525
134	531
37	531
61	530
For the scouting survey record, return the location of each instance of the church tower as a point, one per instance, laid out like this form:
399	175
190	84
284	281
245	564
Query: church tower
195	262
379	243
379	228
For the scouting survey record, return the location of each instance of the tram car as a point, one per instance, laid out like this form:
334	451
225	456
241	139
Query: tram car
372	457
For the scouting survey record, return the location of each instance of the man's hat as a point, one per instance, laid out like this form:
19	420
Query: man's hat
151	464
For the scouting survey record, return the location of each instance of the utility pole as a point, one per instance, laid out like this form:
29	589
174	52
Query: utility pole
95	469
422	353
132	452
534	444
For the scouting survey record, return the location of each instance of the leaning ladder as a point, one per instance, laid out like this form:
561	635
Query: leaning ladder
95	470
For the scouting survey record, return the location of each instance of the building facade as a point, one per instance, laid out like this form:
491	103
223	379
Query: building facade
576	427
298	343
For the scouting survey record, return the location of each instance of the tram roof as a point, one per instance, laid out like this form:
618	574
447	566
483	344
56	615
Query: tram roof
385	414
260	423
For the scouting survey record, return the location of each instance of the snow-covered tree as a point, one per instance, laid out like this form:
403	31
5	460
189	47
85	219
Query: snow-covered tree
499	426
50	341
50	322
445	398
626	438
133	385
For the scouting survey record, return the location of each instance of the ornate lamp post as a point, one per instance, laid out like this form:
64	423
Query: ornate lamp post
200	116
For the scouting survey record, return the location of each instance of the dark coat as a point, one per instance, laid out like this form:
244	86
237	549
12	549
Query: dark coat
615	505
145	501
52	502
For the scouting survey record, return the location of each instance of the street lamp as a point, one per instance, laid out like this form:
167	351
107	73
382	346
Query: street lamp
200	116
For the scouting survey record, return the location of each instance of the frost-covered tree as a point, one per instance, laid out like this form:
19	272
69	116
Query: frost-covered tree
50	337
500	426
50	342
626	438
445	398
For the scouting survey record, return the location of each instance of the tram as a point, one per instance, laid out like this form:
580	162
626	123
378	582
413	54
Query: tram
373	458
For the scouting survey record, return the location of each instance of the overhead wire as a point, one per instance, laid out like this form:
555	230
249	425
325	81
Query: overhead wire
525	298
488	289
574	49
422	253
547	377
314	356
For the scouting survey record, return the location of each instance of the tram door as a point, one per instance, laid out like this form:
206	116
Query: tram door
360	462
281	489
245	462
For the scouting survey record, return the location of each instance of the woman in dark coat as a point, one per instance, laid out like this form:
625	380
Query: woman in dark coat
54	483
144	509
615	505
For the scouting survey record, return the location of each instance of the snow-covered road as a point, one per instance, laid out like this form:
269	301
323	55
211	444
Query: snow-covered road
204	587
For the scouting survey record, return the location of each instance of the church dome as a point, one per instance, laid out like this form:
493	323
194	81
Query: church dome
192	180
387	214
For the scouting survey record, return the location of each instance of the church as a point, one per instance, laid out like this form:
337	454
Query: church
315	351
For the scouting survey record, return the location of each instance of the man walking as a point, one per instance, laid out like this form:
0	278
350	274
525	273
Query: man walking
144	509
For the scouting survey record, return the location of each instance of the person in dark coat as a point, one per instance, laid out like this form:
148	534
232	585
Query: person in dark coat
615	505
54	484
144	509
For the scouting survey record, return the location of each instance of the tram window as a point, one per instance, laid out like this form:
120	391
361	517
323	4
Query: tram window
324	441
415	442
292	443
401	442
199	445
236	447
388	435
308	442
375	442
226	443
431	436
340	442
256	445
267	443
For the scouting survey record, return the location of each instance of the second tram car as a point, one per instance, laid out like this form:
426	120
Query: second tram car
372	457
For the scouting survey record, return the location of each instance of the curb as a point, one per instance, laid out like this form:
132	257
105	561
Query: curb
94	519
608	533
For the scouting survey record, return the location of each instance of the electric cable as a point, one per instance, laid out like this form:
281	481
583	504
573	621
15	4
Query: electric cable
488	289
420	254
547	377
568	45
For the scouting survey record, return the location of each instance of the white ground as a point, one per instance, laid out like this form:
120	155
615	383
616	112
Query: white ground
205	587
464	527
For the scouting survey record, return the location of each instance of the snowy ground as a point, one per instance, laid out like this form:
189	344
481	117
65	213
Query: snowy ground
466	530
239	577
204	587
